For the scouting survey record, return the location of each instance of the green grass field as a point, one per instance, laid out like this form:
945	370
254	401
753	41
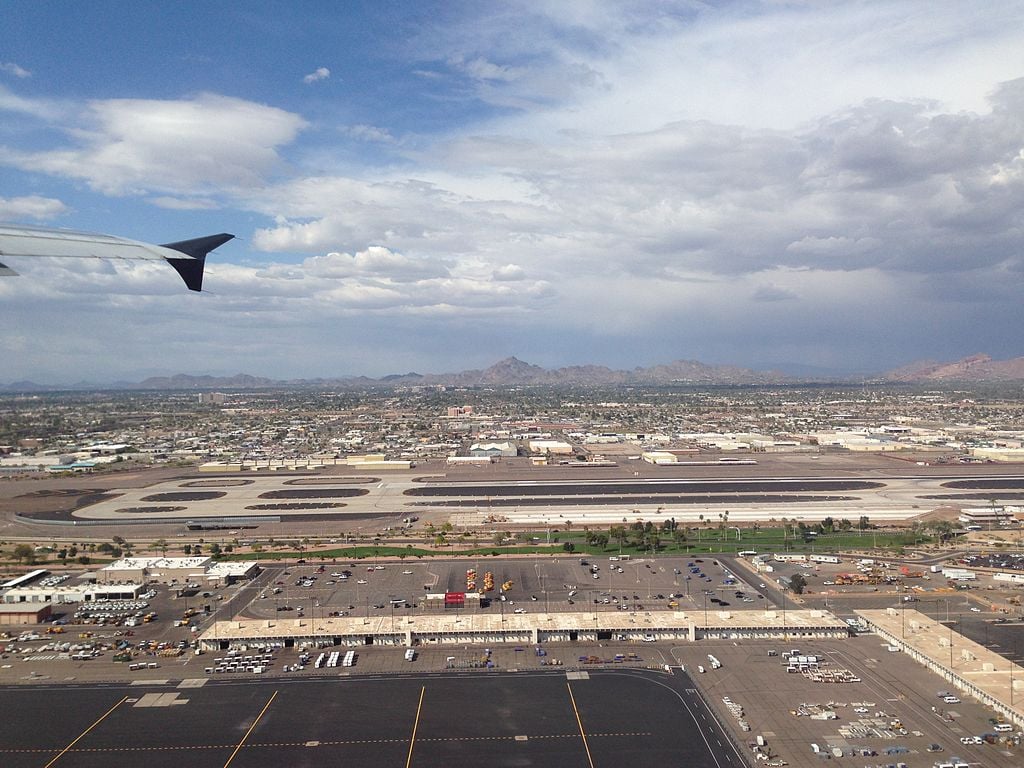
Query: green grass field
708	542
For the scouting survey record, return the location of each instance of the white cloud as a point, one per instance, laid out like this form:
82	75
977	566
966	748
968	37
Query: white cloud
30	207
40	108
481	69
13	69
320	73
184	204
375	261
195	146
508	272
369	133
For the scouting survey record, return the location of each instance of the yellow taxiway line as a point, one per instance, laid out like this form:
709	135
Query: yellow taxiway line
579	722
83	733
251	728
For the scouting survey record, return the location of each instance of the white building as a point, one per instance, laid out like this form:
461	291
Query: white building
959	574
72	593
204	571
550	446
659	457
1007	455
504	450
166	570
985	516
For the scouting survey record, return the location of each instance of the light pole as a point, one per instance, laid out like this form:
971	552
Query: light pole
951	646
783	593
1012	662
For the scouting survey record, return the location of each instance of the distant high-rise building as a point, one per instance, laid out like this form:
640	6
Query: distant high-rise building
455	411
212	398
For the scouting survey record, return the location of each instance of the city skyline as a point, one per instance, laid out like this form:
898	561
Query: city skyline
824	187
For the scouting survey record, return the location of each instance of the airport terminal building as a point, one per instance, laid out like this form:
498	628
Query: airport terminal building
455	628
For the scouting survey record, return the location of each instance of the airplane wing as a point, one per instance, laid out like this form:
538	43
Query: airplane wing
188	257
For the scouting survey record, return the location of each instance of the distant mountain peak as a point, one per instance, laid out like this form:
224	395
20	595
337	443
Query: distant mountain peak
974	368
511	371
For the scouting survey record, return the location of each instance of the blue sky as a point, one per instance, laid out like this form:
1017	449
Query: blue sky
435	186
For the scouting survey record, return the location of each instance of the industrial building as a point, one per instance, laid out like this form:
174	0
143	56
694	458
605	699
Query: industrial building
176	570
659	457
377	461
548	447
166	570
20	613
997	453
72	593
493	450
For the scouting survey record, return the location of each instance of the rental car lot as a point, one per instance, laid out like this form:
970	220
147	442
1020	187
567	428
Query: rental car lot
371	587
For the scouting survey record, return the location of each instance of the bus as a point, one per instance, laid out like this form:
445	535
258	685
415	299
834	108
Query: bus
747	553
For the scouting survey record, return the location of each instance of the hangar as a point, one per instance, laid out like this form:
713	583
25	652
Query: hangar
19	613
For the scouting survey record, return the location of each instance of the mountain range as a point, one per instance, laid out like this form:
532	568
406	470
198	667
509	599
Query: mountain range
514	372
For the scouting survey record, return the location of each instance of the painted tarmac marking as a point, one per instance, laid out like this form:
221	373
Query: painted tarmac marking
83	733
579	721
338	743
251	728
415	725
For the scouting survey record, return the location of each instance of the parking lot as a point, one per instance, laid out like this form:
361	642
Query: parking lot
527	585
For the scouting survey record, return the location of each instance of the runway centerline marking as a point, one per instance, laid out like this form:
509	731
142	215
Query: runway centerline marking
83	733
415	725
579	721
252	727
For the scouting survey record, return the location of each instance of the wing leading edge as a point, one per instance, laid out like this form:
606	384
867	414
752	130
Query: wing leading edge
188	257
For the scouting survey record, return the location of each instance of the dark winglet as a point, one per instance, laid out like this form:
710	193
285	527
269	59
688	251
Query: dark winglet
191	270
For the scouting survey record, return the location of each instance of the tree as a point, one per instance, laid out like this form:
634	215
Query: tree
25	553
214	549
863	523
797	583
569	547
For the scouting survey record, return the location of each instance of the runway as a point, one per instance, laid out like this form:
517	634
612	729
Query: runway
491	497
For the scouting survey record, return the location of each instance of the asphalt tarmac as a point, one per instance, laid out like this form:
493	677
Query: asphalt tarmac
543	719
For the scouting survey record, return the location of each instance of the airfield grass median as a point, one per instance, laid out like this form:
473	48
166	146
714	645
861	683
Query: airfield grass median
709	541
